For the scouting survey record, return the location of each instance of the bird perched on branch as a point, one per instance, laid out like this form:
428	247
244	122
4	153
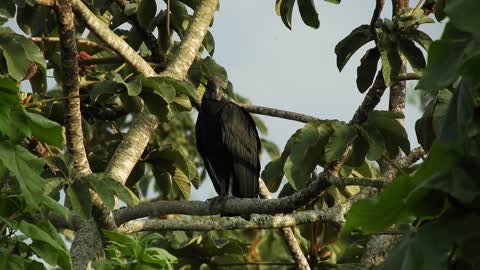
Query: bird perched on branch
228	142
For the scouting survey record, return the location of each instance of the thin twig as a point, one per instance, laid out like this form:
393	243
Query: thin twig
282	114
82	41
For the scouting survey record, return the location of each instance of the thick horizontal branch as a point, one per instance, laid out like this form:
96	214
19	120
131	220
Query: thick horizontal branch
230	223
334	216
237	206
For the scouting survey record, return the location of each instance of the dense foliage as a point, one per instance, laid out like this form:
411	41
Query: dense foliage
432	204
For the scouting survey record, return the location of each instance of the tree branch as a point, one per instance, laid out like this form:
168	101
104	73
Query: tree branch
376	13
70	85
234	206
372	98
111	39
137	137
190	45
148	37
280	113
334	216
82	41
288	235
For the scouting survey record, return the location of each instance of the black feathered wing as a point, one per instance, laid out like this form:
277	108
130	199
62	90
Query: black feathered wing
217	160
240	138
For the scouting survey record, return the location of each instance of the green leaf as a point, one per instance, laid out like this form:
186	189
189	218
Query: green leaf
376	214
7	8
182	182
17	61
456	182
460	113
106	87
44	129
360	147
307	151
79	196
107	187
8	93
210	68
309	13
391	61
160	87
351	43
392	131
412	17
271	148
146	12
339	141
367	69
157	105
209	43
128	245
132	103
32	52
419	37
286	8
273	171
413	54
428	248
27	169
444	60
333	1
376	143
39	235
430	125
464	14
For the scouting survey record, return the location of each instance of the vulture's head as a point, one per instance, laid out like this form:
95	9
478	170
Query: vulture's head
214	89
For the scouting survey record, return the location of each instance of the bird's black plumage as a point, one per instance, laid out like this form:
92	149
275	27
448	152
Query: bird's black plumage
227	139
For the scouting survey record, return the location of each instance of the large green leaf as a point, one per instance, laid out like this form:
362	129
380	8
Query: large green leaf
309	13
306	152
444	60
107	187
182	182
419	37
429	247
146	12
210	68
157	105
79	198
464	14
391	61
50	242
430	125
339	141
392	131
413	54
460	113
17	61
351	43
44	129
286	9
7	8
367	69
27	169
273	173
376	214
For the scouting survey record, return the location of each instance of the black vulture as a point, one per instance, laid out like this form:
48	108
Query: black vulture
228	142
